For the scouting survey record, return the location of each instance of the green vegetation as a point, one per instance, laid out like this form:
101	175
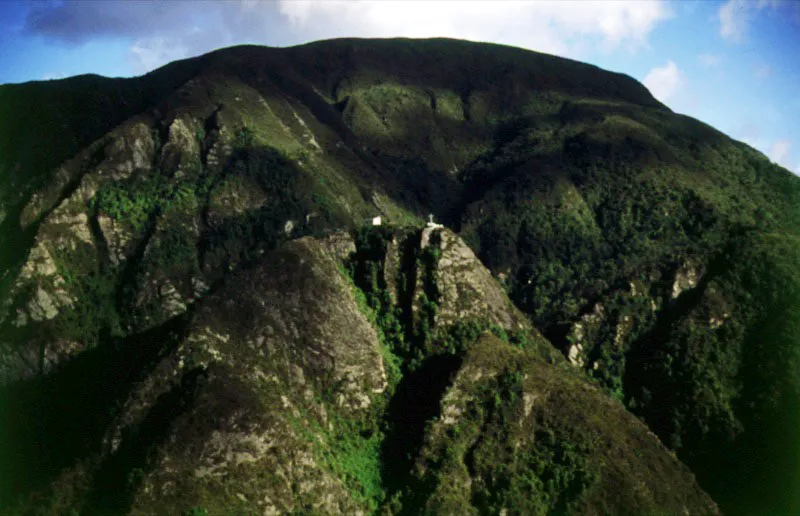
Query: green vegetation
352	452
540	479
139	201
384	318
528	438
632	200
720	387
244	138
350	449
413	352
456	339
664	249
280	192
92	314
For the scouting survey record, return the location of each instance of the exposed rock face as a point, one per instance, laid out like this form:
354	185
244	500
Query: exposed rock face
391	266
42	306
582	334
300	294
163	292
58	352
160	298
125	150
577	188
467	289
716	322
686	278
181	152
40	263
40	202
340	245
132	149
65	251
221	148
118	239
74	228
123	228
250	395
255	392
40	289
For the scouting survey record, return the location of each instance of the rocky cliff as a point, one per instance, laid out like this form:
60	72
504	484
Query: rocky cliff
193	299
285	390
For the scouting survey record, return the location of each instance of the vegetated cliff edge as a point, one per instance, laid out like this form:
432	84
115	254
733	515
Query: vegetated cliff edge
654	252
292	389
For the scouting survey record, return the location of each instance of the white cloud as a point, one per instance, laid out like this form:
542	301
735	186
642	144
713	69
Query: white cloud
734	16
158	29
709	60
774	4
549	26
149	53
665	81
733	19
749	129
780	151
52	76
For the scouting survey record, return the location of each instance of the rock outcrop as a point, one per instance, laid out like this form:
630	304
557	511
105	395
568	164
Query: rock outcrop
467	290
190	316
278	353
518	434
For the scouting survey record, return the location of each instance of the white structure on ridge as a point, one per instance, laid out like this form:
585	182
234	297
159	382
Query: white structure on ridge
431	224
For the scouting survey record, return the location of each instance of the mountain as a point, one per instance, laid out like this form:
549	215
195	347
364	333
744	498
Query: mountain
197	314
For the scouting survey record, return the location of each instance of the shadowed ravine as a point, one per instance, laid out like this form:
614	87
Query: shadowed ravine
197	314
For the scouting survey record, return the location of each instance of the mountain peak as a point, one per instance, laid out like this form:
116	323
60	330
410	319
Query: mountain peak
196	309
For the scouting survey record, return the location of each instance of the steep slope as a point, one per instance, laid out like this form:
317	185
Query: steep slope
626	244
36	139
654	252
277	394
149	217
519	436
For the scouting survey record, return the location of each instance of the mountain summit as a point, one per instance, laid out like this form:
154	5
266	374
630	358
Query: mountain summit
221	291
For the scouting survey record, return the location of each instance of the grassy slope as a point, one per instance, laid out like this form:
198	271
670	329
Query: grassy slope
571	181
632	202
536	439
205	418
574	186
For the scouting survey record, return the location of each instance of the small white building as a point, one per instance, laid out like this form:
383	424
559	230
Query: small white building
376	221
431	224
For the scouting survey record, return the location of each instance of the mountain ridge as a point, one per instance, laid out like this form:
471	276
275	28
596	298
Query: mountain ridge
615	226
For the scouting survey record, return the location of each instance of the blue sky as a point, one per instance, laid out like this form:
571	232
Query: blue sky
734	64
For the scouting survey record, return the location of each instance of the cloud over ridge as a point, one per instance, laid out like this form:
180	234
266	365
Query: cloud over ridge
158	29
665	81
